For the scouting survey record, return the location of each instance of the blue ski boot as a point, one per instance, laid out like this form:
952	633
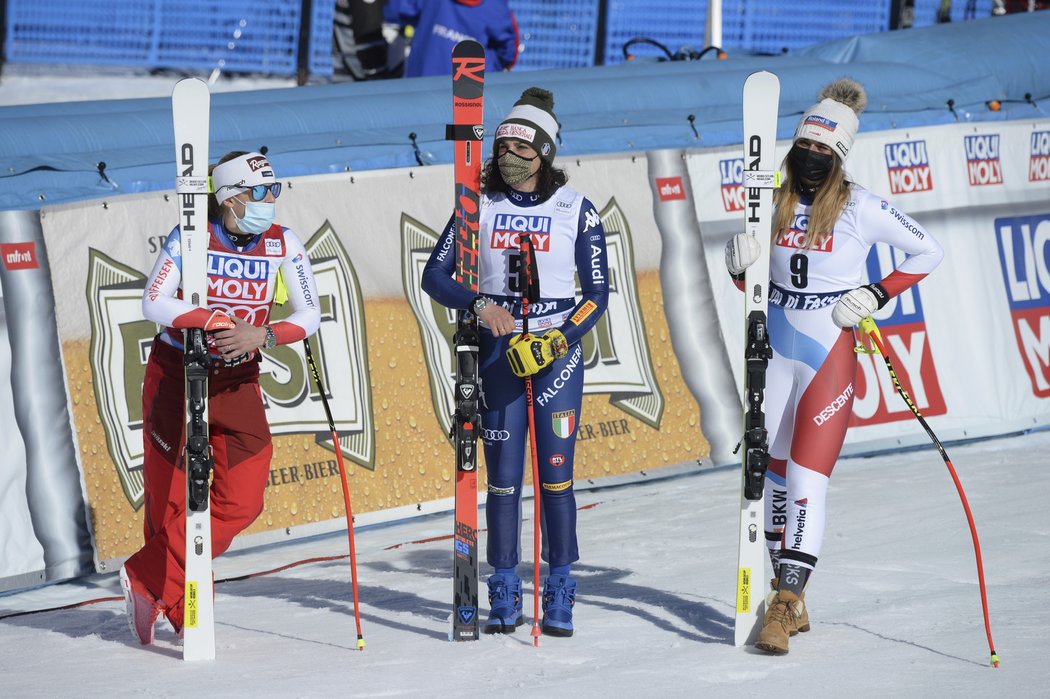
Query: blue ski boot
559	596
504	603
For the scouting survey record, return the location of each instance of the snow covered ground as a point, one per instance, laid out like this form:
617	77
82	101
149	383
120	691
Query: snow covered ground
895	604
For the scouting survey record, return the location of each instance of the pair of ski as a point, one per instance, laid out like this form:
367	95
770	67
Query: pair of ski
760	107
467	131
191	102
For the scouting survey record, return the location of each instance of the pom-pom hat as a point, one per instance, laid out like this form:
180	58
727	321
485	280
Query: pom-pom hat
245	171
532	120
833	121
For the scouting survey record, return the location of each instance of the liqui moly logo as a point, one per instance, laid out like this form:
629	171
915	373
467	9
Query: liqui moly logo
731	175
237	278
1039	162
670	188
19	256
1024	252
982	159
908	166
508	228
795	237
903	328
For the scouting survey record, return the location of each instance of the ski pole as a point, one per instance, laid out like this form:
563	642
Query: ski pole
868	326
527	262
346	490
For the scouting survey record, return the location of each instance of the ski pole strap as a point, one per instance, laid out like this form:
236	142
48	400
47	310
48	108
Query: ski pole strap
787	298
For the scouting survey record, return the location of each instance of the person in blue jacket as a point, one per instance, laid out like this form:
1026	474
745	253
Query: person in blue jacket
523	194
441	24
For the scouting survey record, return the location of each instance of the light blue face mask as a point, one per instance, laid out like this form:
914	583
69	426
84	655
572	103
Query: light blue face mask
258	217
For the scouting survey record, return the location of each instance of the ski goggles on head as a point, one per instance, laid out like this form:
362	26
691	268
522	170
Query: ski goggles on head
258	192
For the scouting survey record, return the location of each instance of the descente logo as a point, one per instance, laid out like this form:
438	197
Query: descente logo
834	406
19	256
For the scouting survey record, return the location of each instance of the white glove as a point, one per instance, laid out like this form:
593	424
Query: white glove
741	252
858	304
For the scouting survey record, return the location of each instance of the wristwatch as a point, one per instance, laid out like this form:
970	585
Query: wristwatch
479	304
271	338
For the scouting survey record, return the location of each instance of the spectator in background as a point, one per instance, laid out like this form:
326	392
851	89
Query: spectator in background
440	24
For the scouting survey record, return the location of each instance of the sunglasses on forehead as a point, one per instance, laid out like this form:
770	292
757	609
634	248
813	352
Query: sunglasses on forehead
258	191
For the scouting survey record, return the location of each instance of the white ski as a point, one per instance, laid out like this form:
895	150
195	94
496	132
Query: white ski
190	106
761	176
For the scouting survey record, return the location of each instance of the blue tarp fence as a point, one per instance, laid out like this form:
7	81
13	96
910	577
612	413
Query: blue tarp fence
50	153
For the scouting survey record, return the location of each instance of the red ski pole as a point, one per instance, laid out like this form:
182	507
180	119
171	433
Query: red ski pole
868	326
346	490
527	264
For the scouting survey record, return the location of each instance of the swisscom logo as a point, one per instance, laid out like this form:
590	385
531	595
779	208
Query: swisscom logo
1024	252
982	159
908	166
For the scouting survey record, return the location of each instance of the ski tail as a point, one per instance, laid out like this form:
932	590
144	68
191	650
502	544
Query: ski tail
466	131
761	176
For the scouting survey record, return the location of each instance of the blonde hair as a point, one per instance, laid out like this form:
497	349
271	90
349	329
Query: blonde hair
828	204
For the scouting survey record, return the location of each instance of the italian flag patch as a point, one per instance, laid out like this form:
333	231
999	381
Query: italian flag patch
564	423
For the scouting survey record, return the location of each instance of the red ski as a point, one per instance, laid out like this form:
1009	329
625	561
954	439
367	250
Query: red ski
467	130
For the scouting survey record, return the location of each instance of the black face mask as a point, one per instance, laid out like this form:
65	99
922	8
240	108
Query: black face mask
811	166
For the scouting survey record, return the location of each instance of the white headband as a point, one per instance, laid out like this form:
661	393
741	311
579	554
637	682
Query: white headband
248	170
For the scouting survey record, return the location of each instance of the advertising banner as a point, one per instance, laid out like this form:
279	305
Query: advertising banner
383	349
972	341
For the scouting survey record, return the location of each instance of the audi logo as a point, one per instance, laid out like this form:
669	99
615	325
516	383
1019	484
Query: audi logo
495	435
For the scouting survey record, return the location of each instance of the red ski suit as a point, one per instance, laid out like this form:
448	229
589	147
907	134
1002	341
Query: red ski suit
240	282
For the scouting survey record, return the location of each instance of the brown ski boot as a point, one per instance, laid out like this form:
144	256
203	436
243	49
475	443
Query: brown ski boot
801	613
779	624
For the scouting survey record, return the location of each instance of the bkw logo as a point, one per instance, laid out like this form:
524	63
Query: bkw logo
982	159
731	175
1024	252
904	335
1039	163
908	165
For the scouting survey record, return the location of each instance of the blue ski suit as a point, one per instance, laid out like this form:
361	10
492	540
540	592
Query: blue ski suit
569	240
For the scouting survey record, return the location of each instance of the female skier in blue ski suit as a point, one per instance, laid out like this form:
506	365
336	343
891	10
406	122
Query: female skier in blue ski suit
523	194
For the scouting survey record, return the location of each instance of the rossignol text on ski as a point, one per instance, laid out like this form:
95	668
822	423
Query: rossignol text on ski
761	100
467	131
190	114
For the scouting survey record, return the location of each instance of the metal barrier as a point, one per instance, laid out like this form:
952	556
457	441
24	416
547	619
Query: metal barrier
262	36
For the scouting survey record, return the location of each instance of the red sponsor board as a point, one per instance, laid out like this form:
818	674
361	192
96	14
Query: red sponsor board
670	188
19	255
877	401
1032	330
